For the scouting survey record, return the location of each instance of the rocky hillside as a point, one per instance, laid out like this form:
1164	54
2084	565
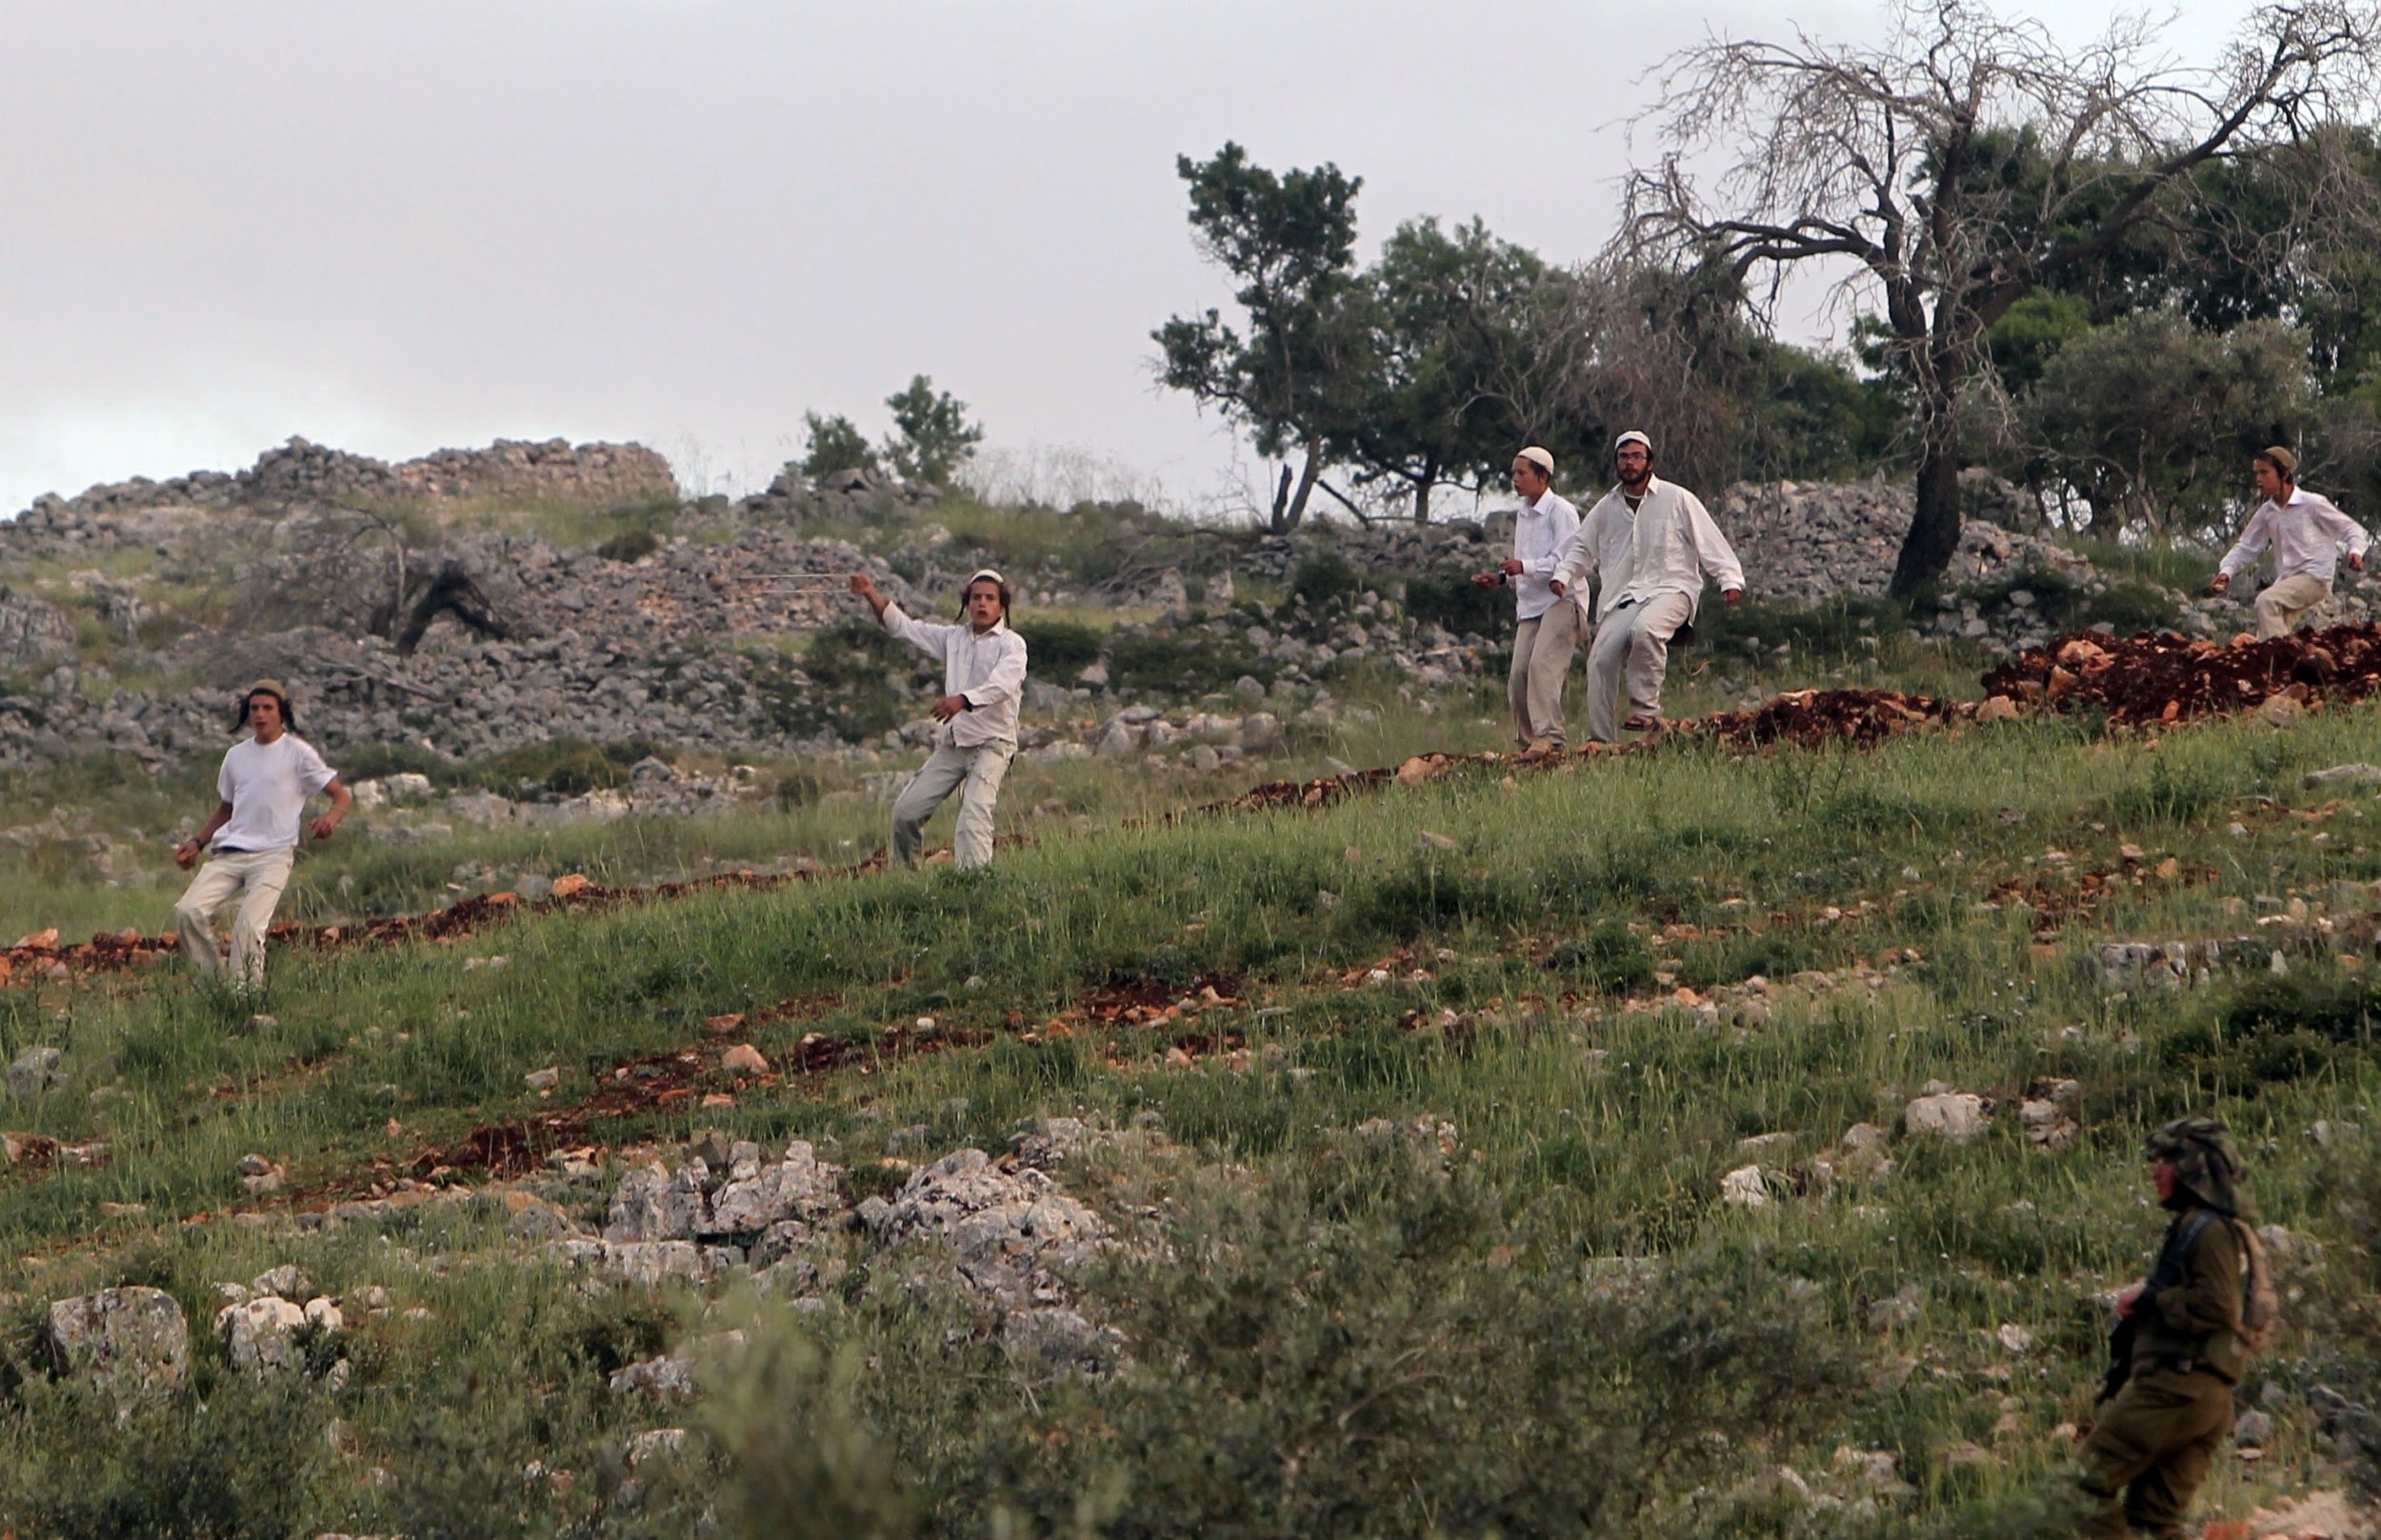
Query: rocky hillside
476	601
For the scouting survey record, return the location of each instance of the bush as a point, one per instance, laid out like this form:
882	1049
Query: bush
1181	664
237	1465
1612	959
1435	1377
1060	644
629	545
364	761
566	766
1452	600
1325	576
853	682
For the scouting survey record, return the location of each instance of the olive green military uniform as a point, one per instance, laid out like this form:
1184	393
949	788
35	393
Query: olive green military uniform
2152	1447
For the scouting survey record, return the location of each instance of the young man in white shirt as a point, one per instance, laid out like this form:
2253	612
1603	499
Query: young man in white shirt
2306	532
1653	542
983	683
1546	629
261	790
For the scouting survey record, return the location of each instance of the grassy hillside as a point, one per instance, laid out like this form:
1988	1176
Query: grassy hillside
1601	989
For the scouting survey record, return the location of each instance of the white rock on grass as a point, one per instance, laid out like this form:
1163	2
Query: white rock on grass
651	1204
1956	1115
799	1187
262	1333
1007	1229
129	1343
1744	1187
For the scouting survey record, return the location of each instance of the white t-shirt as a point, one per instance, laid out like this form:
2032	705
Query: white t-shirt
267	785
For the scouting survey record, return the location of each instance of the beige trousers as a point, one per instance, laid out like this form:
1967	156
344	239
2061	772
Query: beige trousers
1631	647
1542	652
258	877
2281	604
979	770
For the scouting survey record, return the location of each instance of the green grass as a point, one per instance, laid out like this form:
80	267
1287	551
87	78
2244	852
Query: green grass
1311	1281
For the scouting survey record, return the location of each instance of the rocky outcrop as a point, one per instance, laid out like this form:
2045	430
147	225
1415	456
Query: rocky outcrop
299	473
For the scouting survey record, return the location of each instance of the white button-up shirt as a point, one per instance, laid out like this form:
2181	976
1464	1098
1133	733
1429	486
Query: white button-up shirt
2306	533
989	669
1540	531
1665	544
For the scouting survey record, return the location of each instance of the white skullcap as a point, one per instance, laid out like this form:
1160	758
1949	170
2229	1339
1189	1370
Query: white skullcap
1633	436
1538	457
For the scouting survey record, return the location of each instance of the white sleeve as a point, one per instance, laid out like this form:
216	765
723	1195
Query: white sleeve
1578	553
312	774
2341	528
923	636
1712	548
1562	522
1007	680
223	781
2253	539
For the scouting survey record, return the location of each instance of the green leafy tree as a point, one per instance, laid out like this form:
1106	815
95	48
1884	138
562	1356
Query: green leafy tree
1458	327
1970	162
933	437
2154	419
834	445
1295	372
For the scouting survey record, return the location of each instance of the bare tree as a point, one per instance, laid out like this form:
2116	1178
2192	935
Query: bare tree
1964	163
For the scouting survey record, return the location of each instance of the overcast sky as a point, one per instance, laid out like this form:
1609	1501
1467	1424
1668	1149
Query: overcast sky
394	224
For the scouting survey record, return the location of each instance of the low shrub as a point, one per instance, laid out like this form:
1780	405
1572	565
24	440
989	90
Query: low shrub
629	545
566	766
1182	663
1059	646
1453	601
1612	959
1324	577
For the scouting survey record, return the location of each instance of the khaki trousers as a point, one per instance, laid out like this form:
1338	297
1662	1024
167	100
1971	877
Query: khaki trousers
1542	652
2283	602
978	768
2152	1449
1631	648
258	876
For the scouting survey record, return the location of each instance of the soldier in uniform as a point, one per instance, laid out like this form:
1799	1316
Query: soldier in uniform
2177	1349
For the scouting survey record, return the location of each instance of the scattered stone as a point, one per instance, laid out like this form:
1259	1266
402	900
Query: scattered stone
651	1204
1012	1232
1958	1116
546	1079
129	1343
286	1279
744	1059
34	1072
800	1187
1744	1187
261	1335
667	1374
1900	1309
2357	773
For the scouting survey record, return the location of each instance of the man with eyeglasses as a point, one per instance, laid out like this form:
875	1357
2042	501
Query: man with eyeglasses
1652	542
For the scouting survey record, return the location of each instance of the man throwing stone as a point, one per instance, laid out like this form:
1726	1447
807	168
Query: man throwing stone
2306	532
982	682
1546	629
262	790
1653	542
